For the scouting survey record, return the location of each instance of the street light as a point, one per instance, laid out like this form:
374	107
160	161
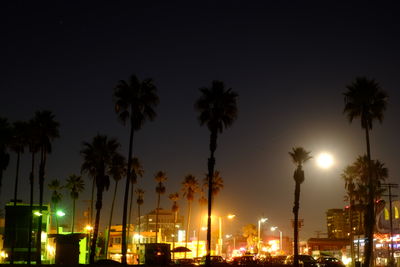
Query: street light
260	221
273	228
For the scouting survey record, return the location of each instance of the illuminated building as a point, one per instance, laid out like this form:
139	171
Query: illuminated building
166	225
337	223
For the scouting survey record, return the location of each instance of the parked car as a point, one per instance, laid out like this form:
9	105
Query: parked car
330	262
244	260
214	260
304	260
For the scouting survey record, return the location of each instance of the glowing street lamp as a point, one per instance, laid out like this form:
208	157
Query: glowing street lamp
325	160
273	228
60	213
260	221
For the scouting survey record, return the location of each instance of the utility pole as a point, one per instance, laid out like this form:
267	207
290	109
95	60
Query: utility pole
389	186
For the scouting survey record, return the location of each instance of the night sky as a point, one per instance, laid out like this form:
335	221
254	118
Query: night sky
288	61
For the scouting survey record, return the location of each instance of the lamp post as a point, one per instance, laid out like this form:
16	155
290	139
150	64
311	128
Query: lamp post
220	241
273	228
260	221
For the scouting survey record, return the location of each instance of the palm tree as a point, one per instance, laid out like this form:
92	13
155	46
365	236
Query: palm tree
218	110
190	186
97	158
135	101
138	171
174	197
17	144
139	202
56	197
5	135
160	177
366	100
75	185
117	170
299	157
34	147
47	130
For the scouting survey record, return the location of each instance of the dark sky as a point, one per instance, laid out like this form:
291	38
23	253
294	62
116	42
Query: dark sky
288	61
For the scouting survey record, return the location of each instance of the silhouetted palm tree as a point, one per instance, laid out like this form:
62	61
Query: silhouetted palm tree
75	185
97	158
117	170
56	197
17	144
139	202
135	101
34	147
366	100
218	110
160	177
138	171
174	197
190	186
47	129
299	157
5	136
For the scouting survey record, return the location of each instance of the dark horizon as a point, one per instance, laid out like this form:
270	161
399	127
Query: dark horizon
289	62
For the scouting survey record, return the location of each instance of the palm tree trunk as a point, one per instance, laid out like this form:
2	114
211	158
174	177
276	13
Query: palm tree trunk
99	203
130	217
126	195
91	210
198	231
73	215
111	216
296	225
158	206
174	234
39	229
188	224
370	222
31	180
139	222
15	204
211	164
55	207
351	211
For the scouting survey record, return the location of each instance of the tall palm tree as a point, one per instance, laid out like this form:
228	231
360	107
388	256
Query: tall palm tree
217	109
17	144
138	171
135	101
299	157
48	130
75	185
160	177
366	100
139	202
174	197
190	186
56	196
5	136
117	170
97	158
34	147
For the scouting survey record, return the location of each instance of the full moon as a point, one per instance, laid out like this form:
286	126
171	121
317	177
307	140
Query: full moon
325	160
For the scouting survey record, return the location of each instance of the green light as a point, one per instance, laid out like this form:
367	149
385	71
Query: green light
60	213
37	213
